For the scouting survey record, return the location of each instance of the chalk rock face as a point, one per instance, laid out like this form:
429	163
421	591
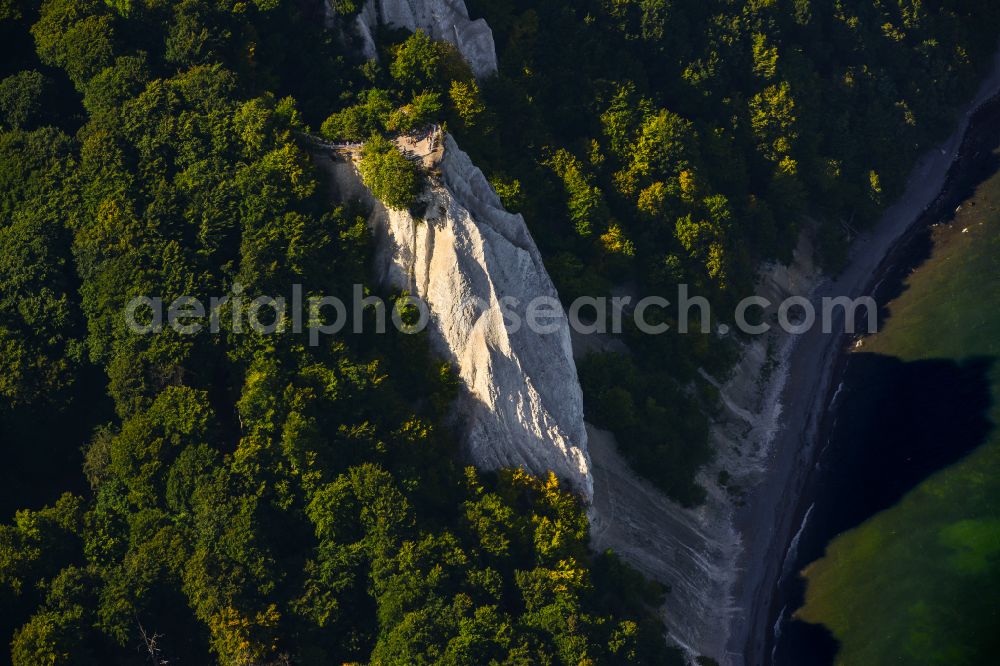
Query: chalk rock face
445	20
472	261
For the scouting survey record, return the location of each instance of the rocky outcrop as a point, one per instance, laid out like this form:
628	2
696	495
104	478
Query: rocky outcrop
444	20
473	262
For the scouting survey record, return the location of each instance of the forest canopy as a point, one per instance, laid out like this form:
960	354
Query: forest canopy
251	499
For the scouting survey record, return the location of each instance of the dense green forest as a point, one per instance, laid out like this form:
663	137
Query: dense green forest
263	501
244	496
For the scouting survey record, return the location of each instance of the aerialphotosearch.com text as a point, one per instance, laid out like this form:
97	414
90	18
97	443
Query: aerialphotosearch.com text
323	316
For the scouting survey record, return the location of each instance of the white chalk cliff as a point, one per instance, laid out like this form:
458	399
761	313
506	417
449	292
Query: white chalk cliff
443	20
471	261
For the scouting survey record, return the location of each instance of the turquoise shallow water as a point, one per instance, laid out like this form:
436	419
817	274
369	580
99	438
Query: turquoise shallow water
916	578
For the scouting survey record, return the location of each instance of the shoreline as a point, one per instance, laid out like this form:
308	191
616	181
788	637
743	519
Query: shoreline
813	363
885	287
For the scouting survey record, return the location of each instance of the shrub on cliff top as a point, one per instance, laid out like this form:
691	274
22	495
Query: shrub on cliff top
387	172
